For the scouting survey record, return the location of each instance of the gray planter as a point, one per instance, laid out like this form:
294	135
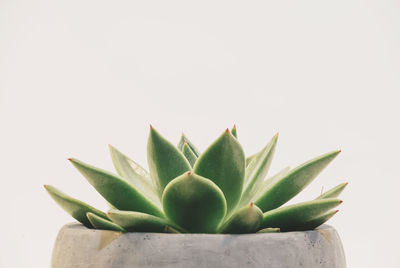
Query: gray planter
77	246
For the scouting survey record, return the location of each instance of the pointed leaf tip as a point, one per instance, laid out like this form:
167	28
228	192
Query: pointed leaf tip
45	186
226	172
341	201
234	126
151	126
227	130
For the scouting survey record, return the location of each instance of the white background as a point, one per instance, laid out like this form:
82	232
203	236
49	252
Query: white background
78	75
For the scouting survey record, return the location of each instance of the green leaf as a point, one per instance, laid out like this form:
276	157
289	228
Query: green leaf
251	158
134	174
115	190
133	221
293	182
170	230
289	217
184	140
166	162
74	207
334	192
103	224
269	181
223	162
314	223
188	153
245	220
256	172
234	131
269	230
195	203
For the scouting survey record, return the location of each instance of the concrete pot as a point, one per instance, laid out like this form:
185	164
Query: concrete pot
76	246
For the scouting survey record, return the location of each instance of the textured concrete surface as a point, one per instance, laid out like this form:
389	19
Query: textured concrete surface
77	246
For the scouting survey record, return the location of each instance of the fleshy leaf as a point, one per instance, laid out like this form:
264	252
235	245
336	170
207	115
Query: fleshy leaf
290	217
103	224
184	140
223	162
115	190
133	221
269	230
74	207
250	158
170	230
134	174
269	181
256	172
314	223
234	131
189	154
165	161
245	220
334	192
293	182
195	203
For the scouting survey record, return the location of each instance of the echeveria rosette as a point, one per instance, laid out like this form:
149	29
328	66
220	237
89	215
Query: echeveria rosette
216	191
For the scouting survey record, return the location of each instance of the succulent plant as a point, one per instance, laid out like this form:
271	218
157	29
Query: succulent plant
217	191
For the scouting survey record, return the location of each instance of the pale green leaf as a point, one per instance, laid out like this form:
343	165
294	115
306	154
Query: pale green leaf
269	181
103	224
290	217
293	182
256	172
165	161
134	174
334	192
184	140
133	221
74	207
115	190
189	154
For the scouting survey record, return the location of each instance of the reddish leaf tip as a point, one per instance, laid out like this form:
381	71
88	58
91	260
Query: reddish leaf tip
234	126
151	126
189	173
70	159
346	183
336	211
45	186
251	204
339	151
227	130
341	201
277	134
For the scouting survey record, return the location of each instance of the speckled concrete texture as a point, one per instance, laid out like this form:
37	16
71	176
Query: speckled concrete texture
76	246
